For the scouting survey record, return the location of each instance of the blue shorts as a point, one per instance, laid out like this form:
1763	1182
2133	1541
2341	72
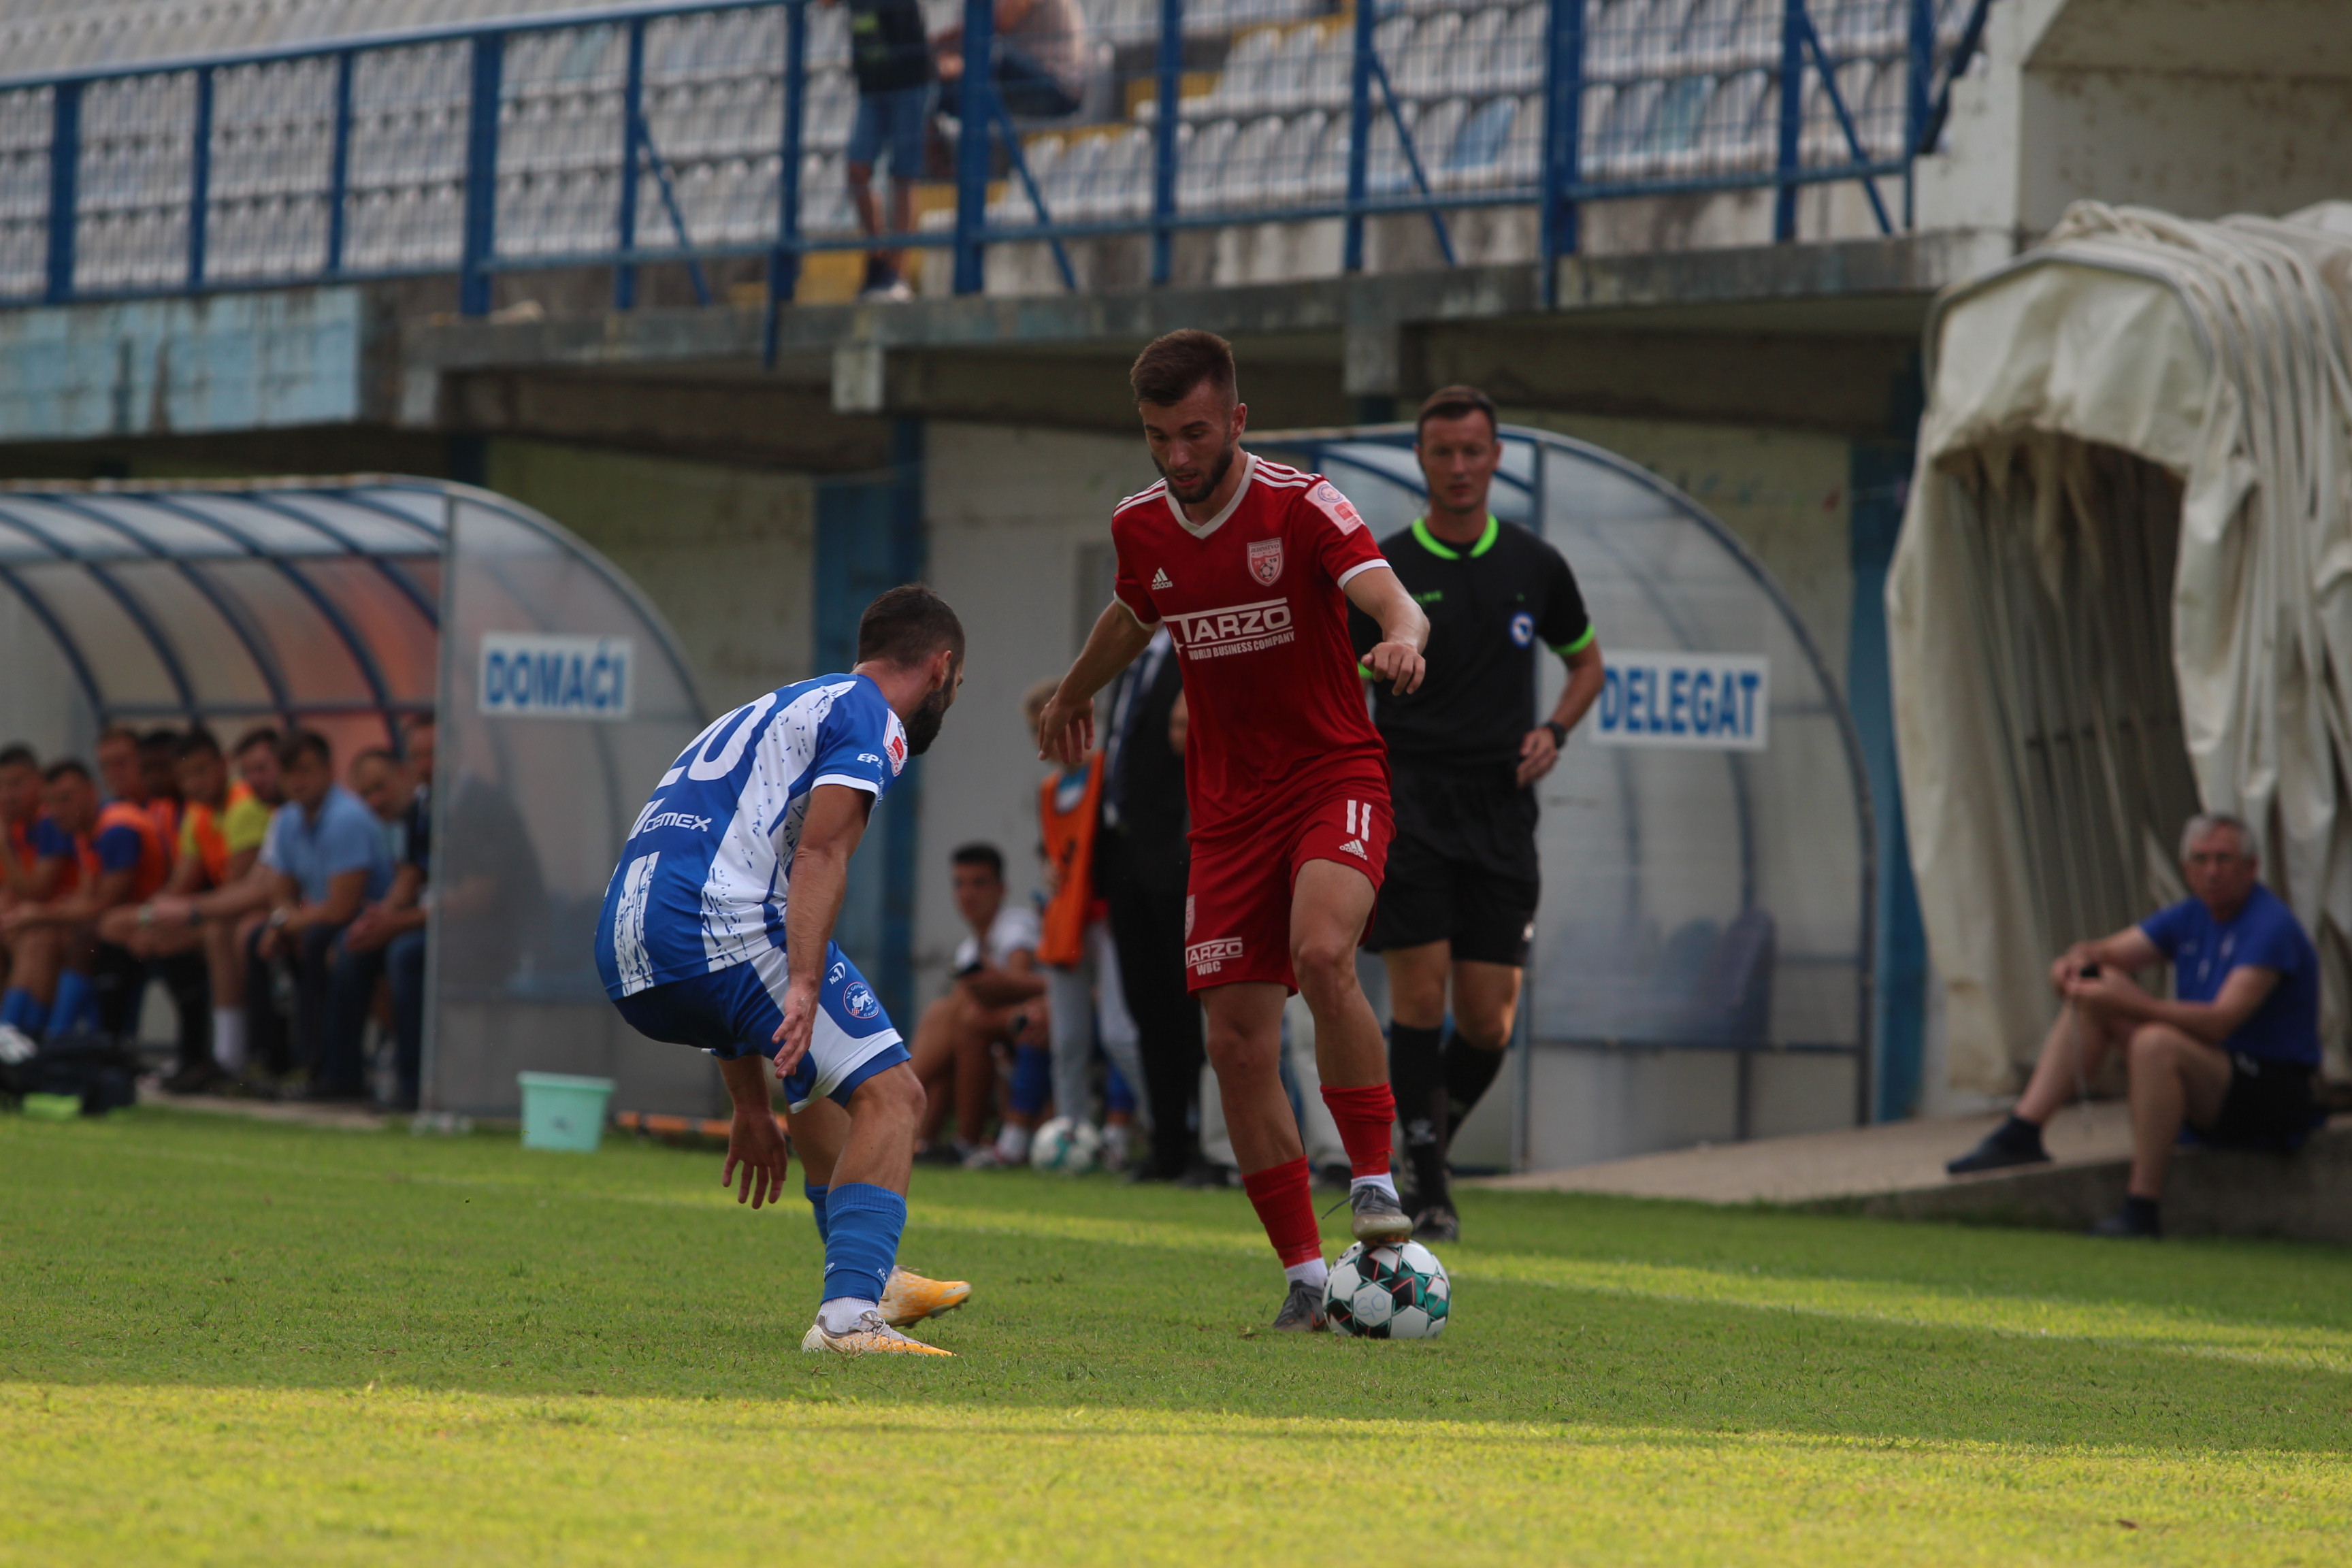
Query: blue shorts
894	121
735	1011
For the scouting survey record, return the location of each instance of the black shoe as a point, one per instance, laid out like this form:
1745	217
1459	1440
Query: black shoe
2013	1142
1302	1309
196	1077
946	1154
2134	1222
1203	1174
1438	1222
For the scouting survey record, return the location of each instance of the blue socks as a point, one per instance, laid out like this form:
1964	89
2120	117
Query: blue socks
75	1005
19	1009
1032	1082
862	1225
816	1202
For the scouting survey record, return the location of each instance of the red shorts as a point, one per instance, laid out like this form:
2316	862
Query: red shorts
1237	905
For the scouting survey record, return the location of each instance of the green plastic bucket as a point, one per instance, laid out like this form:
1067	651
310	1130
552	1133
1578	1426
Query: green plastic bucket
560	1111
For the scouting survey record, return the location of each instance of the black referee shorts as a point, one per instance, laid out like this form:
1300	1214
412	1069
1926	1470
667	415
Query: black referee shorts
2270	1105
1462	865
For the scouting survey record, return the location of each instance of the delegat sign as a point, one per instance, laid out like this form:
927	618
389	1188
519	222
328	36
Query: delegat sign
531	675
1712	702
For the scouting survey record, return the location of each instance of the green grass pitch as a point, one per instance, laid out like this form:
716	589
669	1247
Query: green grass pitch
229	1342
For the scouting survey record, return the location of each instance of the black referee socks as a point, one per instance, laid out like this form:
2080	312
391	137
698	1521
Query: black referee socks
1417	1074
1468	1072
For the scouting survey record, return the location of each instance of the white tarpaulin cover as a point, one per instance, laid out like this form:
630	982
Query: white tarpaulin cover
2125	587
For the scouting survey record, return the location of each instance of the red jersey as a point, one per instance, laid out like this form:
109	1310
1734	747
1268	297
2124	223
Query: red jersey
1251	600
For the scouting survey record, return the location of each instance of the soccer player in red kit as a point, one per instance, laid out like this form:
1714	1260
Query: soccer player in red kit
1251	566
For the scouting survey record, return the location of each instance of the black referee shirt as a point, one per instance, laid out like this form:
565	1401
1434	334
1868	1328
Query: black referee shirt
1489	604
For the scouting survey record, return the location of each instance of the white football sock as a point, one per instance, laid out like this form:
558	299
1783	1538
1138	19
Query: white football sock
228	1038
1386	1184
840	1315
1314	1271
1013	1144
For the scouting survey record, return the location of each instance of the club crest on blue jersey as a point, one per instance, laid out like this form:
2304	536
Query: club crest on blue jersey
1523	629
859	1001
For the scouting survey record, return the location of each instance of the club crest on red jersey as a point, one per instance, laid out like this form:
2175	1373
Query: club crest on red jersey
1336	507
1266	560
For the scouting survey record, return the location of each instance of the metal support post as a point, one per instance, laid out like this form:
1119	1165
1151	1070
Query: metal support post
784	261
1915	101
633	108
338	167
1164	142
1359	134
1792	119
1563	138
976	114
480	237
200	179
64	168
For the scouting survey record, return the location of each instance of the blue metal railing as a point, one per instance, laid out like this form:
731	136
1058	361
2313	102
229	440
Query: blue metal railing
682	134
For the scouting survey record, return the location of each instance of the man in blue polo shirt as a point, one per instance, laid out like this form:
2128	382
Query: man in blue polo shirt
2234	1055
327	858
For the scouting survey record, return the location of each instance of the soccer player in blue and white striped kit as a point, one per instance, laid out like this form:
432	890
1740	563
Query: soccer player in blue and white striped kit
717	932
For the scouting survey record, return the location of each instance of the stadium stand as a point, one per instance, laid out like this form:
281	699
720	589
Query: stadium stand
1675	94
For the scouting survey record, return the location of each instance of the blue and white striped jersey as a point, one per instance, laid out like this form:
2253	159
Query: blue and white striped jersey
702	878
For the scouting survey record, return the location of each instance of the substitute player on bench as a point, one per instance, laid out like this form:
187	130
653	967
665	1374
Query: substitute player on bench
1252	566
1460	904
717	932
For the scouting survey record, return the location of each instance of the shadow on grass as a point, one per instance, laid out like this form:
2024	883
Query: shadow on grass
156	1248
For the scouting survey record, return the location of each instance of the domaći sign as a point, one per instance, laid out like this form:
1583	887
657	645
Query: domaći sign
530	675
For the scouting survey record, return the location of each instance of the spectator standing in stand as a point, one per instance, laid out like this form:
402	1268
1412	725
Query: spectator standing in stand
891	58
1041	60
1464	753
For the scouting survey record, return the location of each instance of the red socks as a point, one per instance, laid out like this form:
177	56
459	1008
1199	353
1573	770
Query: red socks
1282	1197
1365	1116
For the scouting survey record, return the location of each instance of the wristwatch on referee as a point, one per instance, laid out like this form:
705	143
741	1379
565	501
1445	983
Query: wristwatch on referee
1558	734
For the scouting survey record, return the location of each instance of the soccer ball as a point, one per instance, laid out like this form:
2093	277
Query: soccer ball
1387	1292
1066	1147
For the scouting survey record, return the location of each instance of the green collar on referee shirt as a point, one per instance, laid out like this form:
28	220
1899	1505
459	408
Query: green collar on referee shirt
1446	552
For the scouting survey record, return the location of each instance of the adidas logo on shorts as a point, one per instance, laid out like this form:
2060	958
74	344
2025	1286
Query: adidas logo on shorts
1355	847
1159	579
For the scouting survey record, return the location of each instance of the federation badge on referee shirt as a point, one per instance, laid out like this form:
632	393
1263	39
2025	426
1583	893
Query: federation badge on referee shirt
1266	560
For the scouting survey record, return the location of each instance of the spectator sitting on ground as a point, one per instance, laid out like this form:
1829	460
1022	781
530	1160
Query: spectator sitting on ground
96	858
2233	1056
327	858
1041	60
230	910
998	995
221	825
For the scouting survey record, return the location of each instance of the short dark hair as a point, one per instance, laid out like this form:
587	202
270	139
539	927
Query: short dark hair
1454	403
199	742
118	732
906	625
259	735
1175	364
19	755
987	855
298	742
167	740
376	754
59	770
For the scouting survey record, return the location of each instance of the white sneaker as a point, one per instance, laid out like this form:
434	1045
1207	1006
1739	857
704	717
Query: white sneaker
896	289
16	1045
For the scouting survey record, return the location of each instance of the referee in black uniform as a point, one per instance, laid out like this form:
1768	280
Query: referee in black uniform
1458	905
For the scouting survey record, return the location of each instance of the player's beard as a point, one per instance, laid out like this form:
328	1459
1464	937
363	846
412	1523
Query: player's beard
923	723
1209	487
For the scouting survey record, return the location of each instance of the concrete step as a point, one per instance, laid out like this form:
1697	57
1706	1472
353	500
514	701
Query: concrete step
1897	1171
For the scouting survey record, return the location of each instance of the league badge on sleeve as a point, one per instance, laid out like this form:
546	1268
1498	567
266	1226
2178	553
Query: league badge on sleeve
1266	560
1325	495
896	747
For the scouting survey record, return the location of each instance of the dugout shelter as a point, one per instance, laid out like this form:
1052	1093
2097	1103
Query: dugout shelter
2124	588
342	605
1702	959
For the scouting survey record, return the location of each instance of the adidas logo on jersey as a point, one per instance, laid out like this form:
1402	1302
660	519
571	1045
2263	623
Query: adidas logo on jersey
1355	847
1159	579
